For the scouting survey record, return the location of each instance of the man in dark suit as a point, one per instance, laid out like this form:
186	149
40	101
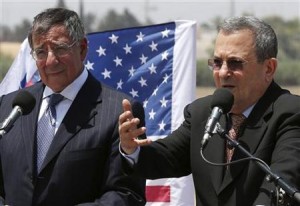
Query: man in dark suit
244	62
82	165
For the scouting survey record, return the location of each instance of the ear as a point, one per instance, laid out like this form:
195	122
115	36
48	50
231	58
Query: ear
83	48
270	68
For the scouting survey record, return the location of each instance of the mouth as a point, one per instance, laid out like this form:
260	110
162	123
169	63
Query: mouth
228	86
53	71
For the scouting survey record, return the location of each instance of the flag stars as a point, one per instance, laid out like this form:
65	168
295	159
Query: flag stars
131	71
166	77
164	55
165	33
145	103
118	61
101	51
152	69
140	37
106	74
127	49
134	93
152	114
155	91
162	126
143	59
163	102
143	82
120	84
89	65
153	46
114	39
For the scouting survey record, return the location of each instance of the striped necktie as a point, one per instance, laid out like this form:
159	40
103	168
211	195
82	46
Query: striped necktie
46	129
237	121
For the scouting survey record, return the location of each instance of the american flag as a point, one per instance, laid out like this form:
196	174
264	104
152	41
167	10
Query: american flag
154	64
139	62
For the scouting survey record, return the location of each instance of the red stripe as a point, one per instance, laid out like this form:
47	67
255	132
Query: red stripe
158	193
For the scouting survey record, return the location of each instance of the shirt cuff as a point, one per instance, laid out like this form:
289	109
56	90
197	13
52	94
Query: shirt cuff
132	158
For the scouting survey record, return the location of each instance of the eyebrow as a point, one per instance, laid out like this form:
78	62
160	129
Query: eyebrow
56	43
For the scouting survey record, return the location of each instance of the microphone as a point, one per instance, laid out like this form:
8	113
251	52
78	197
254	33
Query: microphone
221	103
23	104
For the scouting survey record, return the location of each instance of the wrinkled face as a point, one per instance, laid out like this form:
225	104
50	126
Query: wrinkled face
239	70
63	60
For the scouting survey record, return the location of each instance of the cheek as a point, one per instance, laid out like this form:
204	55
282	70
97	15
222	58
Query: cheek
216	78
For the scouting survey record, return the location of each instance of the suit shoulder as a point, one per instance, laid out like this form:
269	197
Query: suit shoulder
288	101
203	102
108	90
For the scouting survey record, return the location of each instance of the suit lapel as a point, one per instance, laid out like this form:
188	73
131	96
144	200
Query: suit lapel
218	155
250	139
256	125
80	114
29	125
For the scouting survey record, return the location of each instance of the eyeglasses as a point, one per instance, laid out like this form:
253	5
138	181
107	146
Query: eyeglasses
232	64
59	51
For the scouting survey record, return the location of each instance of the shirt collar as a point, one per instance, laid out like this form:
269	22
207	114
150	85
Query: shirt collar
72	89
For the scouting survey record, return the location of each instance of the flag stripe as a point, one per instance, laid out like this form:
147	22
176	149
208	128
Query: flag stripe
158	193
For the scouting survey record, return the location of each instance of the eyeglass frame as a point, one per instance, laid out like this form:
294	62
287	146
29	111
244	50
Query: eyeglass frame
229	64
59	46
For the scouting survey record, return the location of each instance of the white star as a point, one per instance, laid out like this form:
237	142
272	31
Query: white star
106	74
127	49
118	61
163	102
153	46
145	103
101	51
143	59
152	69
119	84
89	65
164	55
162	126
113	38
134	93
152	114
143	82
165	33
166	77
140	37
155	91
131	71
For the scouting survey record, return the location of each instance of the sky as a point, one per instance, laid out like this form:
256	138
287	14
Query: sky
13	12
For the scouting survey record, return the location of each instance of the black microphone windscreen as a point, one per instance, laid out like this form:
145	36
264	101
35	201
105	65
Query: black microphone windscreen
138	111
222	98
25	100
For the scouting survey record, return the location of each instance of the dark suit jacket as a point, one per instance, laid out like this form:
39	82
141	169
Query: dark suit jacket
83	162
272	134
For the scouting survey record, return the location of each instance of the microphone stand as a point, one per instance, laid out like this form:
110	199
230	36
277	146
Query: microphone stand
272	177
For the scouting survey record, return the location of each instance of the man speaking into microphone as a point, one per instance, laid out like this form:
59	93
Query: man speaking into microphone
264	118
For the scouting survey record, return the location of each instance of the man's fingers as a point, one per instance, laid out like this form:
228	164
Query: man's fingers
126	105
142	142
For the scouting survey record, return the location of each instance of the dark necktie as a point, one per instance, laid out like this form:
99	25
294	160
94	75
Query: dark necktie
46	129
237	121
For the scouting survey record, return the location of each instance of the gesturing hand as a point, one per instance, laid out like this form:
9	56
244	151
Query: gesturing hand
129	131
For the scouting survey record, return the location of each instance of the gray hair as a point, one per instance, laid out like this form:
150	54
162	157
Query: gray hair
263	35
43	22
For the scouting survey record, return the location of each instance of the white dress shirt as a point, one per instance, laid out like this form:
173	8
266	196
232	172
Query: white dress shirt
69	94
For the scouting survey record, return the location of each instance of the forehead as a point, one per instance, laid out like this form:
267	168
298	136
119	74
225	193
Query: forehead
236	44
53	35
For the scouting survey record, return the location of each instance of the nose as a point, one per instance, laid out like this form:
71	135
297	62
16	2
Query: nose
224	71
51	58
